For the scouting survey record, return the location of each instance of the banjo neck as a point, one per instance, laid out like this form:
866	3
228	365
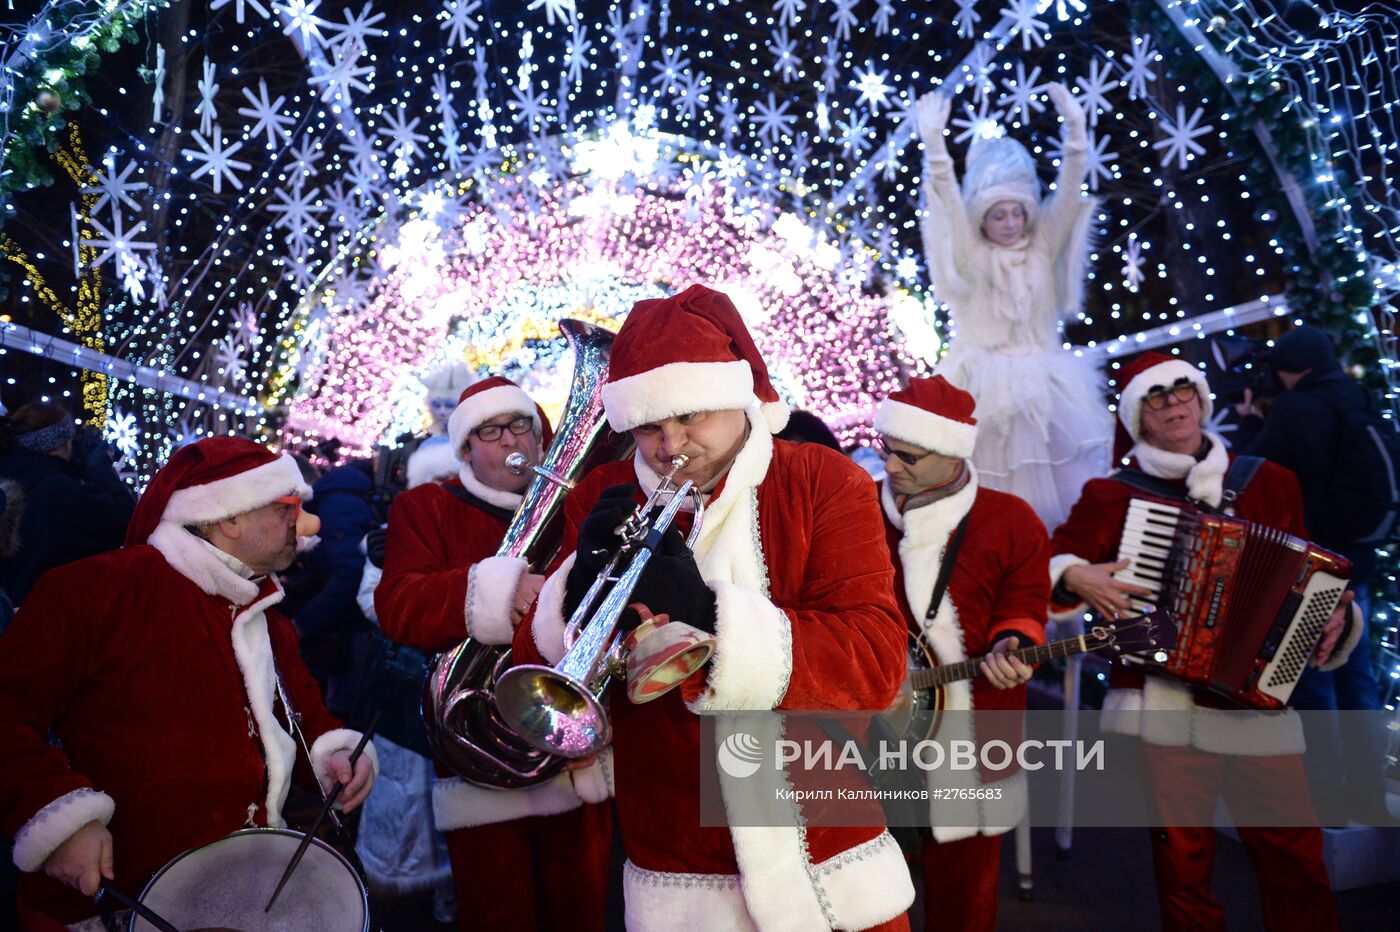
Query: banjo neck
968	669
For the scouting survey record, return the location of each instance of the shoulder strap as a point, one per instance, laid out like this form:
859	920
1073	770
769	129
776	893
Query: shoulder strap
1141	481
1241	472
946	570
493	510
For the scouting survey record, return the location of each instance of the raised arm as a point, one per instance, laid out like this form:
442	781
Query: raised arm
1060	212
946	228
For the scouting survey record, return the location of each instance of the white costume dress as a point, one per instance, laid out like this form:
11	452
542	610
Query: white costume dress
1043	423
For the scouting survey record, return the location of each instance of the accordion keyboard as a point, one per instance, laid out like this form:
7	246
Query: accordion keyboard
1147	537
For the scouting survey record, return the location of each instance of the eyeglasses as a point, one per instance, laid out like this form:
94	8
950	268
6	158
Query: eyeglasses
293	500
1181	392
905	457
492	432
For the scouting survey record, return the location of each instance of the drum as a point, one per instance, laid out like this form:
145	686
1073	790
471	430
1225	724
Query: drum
225	885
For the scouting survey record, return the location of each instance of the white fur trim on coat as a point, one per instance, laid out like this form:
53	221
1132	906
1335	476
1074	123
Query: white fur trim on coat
549	621
339	739
1163	712
752	663
237	494
498	497
459	804
491	586
57	822
202	563
483	406
1058	565
678	388
252	649
594	783
435	458
1161	375
1205	480
863	887
925	429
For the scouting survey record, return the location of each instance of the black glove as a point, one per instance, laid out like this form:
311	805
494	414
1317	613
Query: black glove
597	542
374	545
672	584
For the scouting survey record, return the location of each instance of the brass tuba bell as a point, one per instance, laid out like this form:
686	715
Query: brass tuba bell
463	723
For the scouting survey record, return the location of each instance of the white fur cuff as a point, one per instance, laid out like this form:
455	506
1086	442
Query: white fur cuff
753	652
491	586
57	822
338	739
549	621
1058	565
594	783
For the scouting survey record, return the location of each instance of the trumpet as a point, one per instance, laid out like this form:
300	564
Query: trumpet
560	709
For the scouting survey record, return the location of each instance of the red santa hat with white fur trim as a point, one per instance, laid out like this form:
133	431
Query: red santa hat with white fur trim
683	354
214	479
491	398
1148	373
933	414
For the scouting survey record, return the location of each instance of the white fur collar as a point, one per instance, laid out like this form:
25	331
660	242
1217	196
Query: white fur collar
211	569
1205	480
498	497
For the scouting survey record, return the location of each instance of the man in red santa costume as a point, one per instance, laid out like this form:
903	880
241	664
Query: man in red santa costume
1162	405
525	859
789	573
157	667
994	602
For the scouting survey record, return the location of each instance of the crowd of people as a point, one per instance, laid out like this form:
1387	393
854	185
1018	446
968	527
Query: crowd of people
177	665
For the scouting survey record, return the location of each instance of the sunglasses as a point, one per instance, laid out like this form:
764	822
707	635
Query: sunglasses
492	432
1181	392
904	456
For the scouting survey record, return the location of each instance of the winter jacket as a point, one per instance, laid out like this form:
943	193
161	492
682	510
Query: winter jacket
71	510
1304	432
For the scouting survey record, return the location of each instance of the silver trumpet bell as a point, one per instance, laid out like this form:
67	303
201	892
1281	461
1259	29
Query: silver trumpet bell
560	709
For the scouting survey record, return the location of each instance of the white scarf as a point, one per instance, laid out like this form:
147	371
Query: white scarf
1205	478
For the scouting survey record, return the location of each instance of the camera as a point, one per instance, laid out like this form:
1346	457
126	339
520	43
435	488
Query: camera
1241	363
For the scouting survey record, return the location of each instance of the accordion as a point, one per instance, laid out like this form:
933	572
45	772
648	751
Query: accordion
1249	600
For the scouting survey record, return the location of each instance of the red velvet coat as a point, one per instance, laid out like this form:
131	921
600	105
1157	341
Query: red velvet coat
434	542
999	584
1091	534
132	667
826	634
443	583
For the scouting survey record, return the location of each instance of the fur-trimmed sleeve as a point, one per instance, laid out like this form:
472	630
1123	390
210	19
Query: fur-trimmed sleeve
1089	535
421	598
947	232
46	655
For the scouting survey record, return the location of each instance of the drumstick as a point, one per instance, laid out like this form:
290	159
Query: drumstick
321	816
142	910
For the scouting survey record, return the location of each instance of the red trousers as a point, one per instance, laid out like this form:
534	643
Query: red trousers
960	883
1293	887
539	874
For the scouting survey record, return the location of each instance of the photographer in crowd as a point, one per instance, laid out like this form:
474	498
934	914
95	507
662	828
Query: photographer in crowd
1315	427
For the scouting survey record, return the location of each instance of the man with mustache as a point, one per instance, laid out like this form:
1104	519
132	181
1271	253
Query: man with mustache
157	667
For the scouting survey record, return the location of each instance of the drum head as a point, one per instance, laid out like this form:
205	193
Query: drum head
225	885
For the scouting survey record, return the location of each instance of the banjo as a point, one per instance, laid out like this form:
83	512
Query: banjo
918	710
